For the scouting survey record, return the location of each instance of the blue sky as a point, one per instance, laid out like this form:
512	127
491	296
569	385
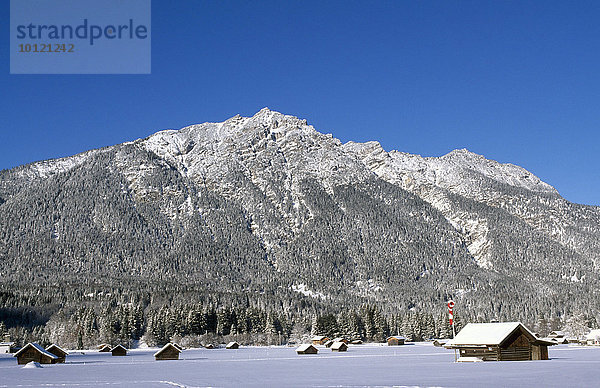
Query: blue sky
516	81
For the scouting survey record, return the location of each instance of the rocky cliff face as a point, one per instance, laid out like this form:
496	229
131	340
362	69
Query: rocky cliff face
269	204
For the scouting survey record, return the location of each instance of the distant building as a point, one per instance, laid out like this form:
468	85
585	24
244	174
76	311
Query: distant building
209	346
119	350
307	349
440	342
499	341
356	342
232	345
58	352
339	347
168	352
319	340
104	348
34	352
7	347
328	343
593	337
396	340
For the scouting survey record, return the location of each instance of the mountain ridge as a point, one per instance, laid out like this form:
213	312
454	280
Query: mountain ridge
269	200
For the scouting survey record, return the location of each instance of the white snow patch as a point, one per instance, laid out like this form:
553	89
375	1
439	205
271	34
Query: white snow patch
301	288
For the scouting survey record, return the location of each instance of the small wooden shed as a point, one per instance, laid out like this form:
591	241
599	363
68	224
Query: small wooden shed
319	340
119	350
499	341
232	345
307	349
58	352
34	352
167	352
209	346
104	348
339	347
328	343
396	340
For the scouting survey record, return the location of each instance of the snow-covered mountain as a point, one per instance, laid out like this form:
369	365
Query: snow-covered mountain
269	204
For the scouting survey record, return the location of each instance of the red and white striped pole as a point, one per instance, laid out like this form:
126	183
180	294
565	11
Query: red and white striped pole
451	316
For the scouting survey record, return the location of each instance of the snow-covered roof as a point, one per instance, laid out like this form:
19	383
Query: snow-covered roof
592	335
38	348
55	346
119	346
167	346
7	343
318	338
337	345
486	333
304	347
397	337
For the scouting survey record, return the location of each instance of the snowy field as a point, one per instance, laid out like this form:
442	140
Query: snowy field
363	365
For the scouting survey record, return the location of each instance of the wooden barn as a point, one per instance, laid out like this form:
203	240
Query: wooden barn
319	340
232	345
396	340
339	347
168	352
307	349
58	352
498	341
119	350
34	352
104	348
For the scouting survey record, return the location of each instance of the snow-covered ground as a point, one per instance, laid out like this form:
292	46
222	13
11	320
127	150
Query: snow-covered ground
363	365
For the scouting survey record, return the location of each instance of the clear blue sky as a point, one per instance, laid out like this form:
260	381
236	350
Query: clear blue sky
516	81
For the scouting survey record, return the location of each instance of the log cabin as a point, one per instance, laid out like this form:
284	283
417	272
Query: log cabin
307	349
58	352
34	352
396	340
167	352
119	350
498	341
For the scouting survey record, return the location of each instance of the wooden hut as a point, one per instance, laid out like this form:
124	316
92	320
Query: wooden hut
498	341
104	348
209	346
232	345
307	349
58	352
119	350
319	340
396	340
339	347
328	343
34	352
440	342
168	352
